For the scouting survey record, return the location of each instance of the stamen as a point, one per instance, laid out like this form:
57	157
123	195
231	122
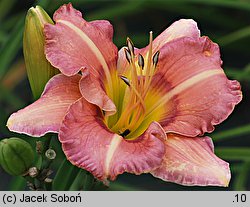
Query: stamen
141	61
126	80
155	61
136	104
128	55
130	46
134	110
125	133
156	58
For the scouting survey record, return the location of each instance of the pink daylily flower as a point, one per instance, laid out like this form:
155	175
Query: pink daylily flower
136	110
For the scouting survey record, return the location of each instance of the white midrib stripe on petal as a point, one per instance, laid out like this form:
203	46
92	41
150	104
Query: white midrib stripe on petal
91	45
115	142
183	86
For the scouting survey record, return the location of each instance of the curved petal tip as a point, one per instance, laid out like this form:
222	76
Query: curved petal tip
45	114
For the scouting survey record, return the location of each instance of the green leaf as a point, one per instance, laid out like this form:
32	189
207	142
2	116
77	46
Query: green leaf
17	183
88	181
11	47
3	36
78	182
43	3
239	74
10	98
234	36
8	24
117	11
236	4
65	176
5	6
240	181
233	153
231	133
85	181
119	186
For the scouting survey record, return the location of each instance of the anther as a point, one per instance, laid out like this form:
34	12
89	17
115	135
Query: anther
156	58
128	55
141	61
125	133
130	46
126	80
103	112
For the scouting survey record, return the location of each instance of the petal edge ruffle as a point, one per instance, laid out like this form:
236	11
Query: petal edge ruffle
202	94
73	44
88	144
191	161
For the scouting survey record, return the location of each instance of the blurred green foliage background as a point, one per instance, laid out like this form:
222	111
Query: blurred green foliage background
226	22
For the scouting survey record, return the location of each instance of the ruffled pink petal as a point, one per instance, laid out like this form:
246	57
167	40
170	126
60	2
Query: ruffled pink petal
46	114
191	161
181	28
202	94
93	92
89	144
73	43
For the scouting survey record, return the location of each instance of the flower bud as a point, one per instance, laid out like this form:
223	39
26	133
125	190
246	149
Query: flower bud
39	70
16	156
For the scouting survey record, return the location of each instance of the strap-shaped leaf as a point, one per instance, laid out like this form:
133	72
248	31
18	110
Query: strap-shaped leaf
65	176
